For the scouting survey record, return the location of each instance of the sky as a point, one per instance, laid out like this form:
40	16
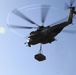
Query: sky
18	59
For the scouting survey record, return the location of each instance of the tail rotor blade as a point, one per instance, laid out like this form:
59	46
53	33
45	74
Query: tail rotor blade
44	12
66	6
72	2
21	15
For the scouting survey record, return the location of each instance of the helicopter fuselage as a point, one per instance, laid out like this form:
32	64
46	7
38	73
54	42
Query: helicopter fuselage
47	34
43	34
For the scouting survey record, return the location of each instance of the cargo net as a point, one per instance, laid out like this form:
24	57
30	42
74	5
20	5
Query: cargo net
40	57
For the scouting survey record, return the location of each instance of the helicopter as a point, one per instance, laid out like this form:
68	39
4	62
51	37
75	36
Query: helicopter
45	34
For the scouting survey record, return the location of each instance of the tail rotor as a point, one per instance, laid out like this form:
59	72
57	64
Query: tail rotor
70	5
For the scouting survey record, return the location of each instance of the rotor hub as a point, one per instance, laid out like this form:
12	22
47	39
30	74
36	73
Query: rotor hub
72	8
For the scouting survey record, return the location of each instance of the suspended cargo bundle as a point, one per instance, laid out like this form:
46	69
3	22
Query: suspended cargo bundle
40	57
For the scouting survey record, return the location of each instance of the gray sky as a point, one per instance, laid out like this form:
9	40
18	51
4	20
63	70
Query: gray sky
18	59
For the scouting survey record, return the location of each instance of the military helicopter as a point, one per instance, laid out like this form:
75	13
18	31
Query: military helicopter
44	34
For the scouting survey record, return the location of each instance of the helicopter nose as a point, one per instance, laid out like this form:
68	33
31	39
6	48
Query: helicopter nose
29	40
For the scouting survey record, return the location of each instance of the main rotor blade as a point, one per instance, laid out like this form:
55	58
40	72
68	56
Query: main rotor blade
60	21
21	27
44	12
70	31
21	15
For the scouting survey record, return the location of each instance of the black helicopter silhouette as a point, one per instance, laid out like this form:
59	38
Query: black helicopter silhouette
44	34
